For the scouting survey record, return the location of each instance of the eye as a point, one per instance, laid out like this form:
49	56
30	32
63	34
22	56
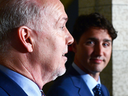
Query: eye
62	27
106	44
89	43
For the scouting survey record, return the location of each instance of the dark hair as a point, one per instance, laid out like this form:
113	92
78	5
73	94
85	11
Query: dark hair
84	22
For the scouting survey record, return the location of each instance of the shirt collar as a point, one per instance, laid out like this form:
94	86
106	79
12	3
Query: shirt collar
89	80
26	84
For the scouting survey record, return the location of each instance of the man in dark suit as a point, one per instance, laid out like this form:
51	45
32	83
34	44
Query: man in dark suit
30	33
93	35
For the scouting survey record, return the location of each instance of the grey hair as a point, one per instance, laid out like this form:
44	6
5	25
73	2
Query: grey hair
16	13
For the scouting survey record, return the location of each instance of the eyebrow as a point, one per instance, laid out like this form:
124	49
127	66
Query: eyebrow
95	39
65	19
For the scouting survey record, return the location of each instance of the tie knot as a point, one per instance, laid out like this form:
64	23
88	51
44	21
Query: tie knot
97	90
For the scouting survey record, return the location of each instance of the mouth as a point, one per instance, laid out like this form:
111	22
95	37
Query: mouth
97	60
65	58
63	54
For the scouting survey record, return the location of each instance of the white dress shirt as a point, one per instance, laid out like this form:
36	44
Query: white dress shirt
30	88
89	80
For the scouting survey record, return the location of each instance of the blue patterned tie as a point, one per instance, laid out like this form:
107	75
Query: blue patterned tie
97	90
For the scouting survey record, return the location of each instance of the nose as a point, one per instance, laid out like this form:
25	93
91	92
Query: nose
98	50
69	38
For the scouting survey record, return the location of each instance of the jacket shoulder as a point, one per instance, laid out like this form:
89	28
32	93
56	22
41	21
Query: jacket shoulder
3	92
10	87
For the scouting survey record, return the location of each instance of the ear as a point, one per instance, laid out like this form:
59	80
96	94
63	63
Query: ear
24	34
74	46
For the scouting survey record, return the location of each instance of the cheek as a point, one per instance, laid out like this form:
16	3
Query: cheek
82	55
83	51
108	55
50	44
87	52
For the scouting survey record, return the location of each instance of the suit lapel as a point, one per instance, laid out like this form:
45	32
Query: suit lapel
104	91
83	90
10	86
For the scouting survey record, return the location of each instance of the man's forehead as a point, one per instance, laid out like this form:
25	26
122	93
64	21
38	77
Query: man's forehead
57	10
99	39
97	35
48	1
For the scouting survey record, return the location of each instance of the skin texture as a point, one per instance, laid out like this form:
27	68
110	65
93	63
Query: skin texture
93	51
39	55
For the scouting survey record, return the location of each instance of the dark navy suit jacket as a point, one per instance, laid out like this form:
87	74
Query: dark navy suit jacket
71	84
9	88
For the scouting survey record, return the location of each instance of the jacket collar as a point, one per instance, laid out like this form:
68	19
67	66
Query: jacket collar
78	82
10	86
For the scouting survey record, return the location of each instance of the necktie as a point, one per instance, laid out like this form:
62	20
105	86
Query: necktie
97	90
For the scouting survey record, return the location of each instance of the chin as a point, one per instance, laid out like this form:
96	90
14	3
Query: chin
62	73
54	78
59	73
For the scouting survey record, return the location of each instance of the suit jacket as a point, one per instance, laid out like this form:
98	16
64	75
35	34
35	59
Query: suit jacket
9	88
71	84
